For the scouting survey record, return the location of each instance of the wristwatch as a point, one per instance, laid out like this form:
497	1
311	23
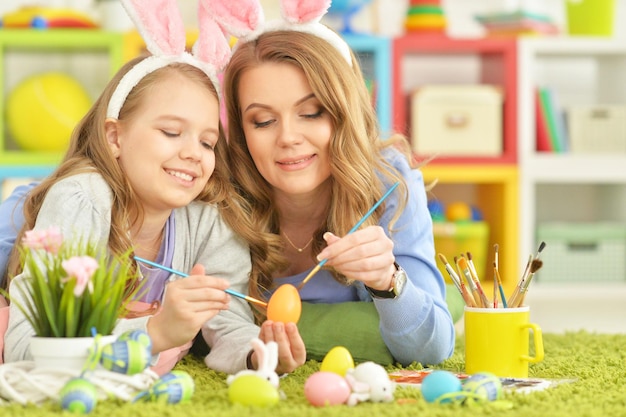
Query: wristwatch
397	285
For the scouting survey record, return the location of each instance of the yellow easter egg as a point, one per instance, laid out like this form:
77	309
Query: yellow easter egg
285	305
338	360
252	390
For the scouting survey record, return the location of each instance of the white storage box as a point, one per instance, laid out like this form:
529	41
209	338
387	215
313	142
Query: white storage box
597	129
457	120
582	252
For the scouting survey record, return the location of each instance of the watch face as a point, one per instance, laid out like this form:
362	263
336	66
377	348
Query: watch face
399	279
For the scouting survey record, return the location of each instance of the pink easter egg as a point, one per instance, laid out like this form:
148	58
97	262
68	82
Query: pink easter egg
326	388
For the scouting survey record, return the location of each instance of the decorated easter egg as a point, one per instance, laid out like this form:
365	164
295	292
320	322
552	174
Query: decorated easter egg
173	388
252	390
441	386
483	385
326	388
125	357
337	360
285	305
137	335
78	396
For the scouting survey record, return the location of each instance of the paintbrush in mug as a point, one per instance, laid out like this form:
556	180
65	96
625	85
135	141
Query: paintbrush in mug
182	274
496	274
477	290
458	282
356	226
534	267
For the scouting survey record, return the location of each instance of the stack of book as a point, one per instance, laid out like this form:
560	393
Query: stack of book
552	134
517	23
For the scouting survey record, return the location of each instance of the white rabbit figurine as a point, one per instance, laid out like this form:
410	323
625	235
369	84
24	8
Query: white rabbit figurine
369	382
267	356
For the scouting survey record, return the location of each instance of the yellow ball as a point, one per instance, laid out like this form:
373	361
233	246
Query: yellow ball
43	110
458	212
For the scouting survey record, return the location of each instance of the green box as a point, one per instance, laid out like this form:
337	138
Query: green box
582	252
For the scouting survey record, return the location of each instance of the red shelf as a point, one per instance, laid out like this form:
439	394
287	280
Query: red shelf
498	58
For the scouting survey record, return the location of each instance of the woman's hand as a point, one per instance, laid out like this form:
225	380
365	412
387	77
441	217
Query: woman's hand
291	349
365	255
188	303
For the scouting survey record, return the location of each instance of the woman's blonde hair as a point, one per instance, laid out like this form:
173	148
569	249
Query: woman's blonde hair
358	170
89	151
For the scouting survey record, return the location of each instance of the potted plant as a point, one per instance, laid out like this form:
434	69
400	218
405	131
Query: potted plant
71	292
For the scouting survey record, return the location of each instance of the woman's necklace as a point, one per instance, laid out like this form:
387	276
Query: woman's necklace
294	246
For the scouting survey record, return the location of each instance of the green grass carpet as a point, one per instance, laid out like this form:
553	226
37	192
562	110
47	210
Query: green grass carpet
598	362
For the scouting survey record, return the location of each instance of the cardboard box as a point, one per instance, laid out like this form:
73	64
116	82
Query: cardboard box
597	129
457	120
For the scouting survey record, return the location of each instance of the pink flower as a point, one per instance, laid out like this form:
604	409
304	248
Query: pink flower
81	268
49	239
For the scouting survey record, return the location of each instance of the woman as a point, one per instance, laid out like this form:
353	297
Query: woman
305	152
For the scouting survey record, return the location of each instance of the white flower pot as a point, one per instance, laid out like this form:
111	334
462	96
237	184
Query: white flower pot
63	352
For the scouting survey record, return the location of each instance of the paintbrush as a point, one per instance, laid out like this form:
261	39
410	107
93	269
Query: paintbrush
458	282
477	289
534	267
463	267
356	226
522	281
182	274
496	274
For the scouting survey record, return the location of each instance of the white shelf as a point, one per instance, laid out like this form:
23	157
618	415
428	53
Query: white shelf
568	186
575	168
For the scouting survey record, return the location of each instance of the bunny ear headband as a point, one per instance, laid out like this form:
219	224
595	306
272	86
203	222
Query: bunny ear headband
245	20
161	26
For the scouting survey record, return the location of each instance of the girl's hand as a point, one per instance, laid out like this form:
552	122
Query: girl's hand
188	303
291	349
365	255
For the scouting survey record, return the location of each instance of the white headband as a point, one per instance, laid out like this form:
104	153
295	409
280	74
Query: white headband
161	26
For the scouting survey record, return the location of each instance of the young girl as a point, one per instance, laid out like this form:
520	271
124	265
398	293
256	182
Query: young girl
305	151
146	170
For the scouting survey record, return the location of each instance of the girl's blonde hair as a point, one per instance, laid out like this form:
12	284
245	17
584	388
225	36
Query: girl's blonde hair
358	170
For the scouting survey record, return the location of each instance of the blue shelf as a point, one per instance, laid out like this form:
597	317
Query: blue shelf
374	53
24	171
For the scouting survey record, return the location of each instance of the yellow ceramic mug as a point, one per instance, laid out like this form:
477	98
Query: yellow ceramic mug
497	341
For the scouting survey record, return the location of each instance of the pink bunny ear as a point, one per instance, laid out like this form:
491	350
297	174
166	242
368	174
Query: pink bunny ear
303	11
212	46
237	17
160	24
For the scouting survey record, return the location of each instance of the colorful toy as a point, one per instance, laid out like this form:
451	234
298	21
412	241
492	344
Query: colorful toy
285	305
458	211
369	381
78	395
437	210
425	16
337	360
325	388
441	387
42	111
252	389
267	356
46	18
172	388
346	9
125	357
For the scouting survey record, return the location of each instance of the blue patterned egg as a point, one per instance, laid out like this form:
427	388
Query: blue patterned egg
125	357
78	396
172	388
